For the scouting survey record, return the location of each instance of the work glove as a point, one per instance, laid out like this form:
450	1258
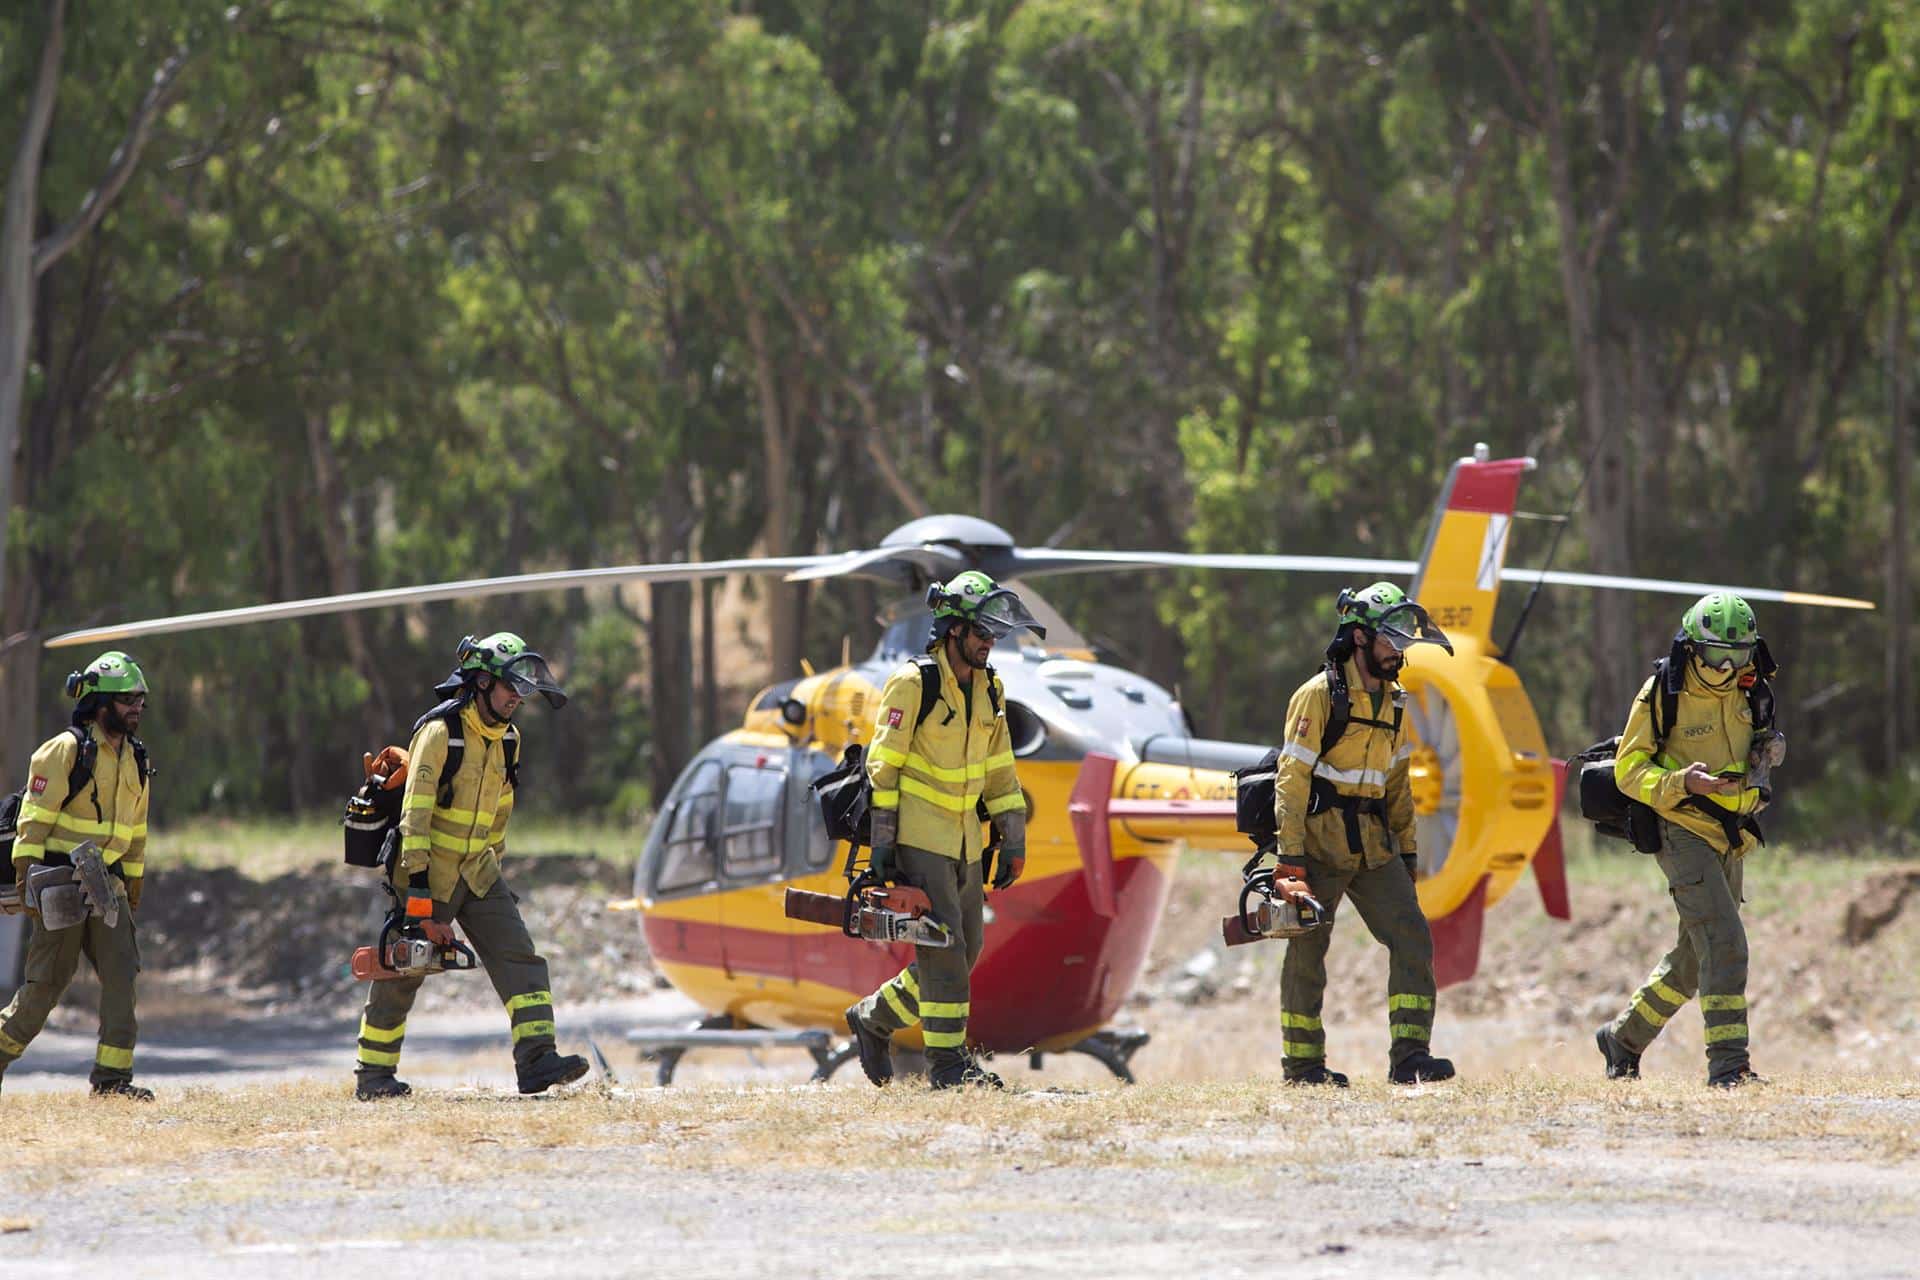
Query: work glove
1013	850
1290	880
133	892
886	830
419	901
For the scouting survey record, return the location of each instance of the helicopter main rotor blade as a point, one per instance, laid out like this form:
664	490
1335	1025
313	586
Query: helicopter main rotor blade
1043	560
471	588
1664	586
887	564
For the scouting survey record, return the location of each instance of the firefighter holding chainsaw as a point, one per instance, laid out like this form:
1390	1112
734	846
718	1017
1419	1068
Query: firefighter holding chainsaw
937	765
82	835
1344	815
452	837
1699	750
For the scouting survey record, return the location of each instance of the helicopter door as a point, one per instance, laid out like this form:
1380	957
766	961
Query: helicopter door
753	822
688	857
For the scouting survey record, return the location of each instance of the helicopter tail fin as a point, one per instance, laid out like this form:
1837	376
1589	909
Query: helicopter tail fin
1458	582
1456	938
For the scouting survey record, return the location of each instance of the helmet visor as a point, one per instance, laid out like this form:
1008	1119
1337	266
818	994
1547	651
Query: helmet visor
1407	624
1725	657
1001	614
529	674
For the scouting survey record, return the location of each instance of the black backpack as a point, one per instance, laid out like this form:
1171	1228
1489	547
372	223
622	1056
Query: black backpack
846	795
1615	814
372	820
1253	786
77	777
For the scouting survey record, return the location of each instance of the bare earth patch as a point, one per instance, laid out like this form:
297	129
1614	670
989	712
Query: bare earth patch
255	1160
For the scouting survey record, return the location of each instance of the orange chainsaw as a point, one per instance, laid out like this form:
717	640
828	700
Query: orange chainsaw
875	912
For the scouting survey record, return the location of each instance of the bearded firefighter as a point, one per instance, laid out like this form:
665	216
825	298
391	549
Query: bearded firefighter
938	765
87	785
1344	814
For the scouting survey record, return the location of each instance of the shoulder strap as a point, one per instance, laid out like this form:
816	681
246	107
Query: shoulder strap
140	760
82	772
449	713
1340	712
993	690
511	745
929	688
1666	708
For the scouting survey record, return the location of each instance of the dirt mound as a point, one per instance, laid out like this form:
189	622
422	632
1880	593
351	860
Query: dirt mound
1878	904
284	943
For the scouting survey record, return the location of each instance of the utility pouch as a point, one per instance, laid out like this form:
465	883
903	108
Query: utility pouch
9	828
846	801
1611	811
373	813
1253	800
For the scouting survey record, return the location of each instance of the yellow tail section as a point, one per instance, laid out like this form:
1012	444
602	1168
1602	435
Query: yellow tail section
1459	579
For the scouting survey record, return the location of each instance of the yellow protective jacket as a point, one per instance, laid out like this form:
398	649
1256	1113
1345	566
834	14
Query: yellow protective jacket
110	809
464	840
1711	725
936	773
1367	762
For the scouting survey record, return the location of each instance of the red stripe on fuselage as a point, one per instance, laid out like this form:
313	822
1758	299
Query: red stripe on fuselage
1051	964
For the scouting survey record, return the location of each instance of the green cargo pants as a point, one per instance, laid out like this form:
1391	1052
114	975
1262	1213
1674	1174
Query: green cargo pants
934	989
1709	957
52	958
1385	898
499	938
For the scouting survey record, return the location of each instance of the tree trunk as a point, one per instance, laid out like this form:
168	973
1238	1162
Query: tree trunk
777	464
17	274
670	642
1609	491
343	573
1899	613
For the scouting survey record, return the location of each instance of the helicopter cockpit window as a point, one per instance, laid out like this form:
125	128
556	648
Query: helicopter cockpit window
687	858
751	834
819	849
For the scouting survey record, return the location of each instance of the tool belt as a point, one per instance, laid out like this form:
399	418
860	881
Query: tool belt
1321	796
1731	824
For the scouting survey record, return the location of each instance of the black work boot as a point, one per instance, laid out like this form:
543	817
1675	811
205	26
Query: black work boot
121	1089
1420	1067
1318	1074
875	1046
370	1088
549	1069
960	1071
1737	1078
1622	1062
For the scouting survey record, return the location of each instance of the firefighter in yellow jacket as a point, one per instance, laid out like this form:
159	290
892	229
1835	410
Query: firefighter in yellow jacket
453	824
1699	750
936	764
1344	815
88	782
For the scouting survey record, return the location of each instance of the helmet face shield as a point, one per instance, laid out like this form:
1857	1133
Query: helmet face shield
1001	614
1407	624
529	674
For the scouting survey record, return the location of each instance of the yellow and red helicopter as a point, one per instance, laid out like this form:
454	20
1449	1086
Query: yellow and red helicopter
1117	785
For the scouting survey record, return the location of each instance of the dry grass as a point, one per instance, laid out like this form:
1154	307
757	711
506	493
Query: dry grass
261	1136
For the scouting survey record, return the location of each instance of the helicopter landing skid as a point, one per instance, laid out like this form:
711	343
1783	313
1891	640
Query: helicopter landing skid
720	1031
1111	1048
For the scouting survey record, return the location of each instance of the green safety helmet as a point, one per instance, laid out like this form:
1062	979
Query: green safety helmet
1384	609
505	656
111	672
1721	629
978	600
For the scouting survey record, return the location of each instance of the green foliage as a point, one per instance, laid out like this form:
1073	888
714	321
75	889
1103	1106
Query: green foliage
525	288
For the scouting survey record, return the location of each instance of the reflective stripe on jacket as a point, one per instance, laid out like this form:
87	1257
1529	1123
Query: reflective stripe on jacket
1712	725
110	809
464	840
1367	763
935	774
